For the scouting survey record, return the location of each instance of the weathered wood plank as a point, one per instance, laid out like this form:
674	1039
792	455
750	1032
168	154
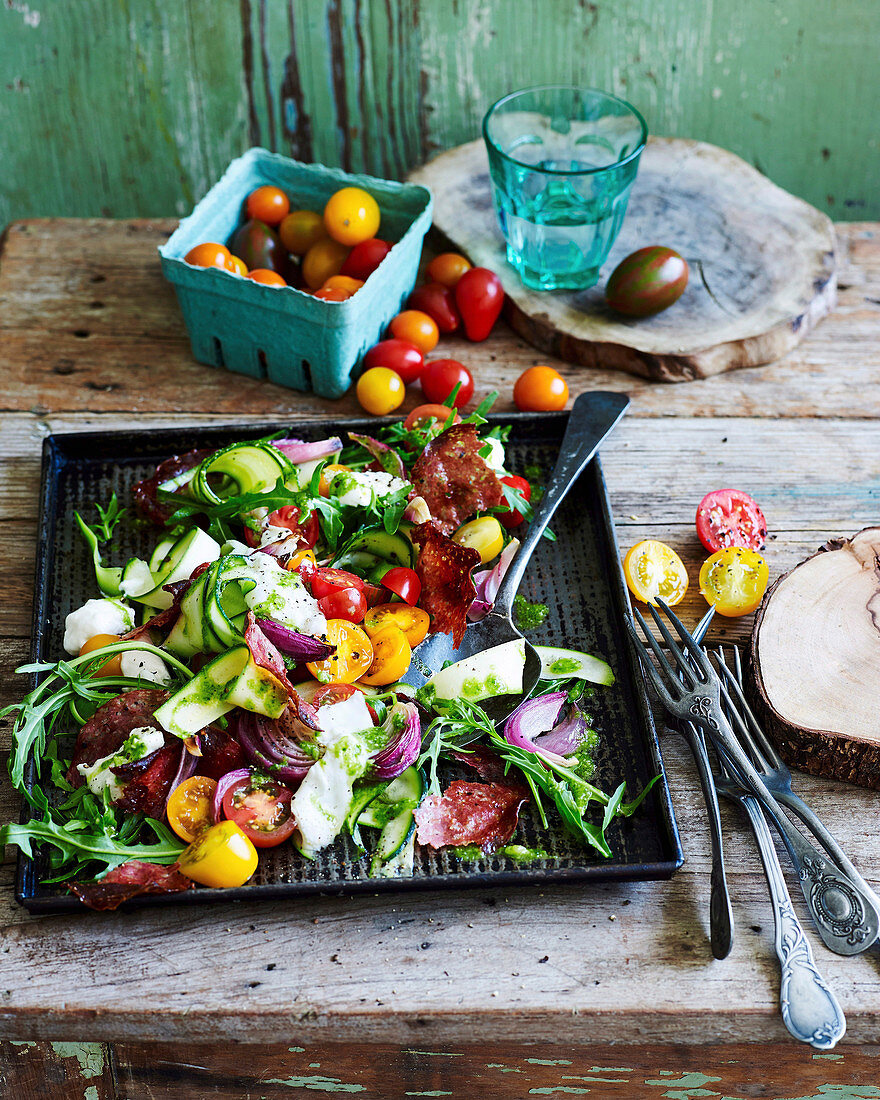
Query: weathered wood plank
62	1071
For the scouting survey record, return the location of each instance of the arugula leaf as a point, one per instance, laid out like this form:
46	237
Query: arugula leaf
109	518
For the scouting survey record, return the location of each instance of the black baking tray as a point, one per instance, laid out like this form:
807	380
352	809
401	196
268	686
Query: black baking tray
578	576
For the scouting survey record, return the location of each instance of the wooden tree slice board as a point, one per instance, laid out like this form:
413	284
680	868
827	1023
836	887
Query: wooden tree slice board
815	661
768	257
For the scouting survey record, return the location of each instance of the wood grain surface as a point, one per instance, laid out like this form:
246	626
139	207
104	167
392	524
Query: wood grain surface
762	264
621	964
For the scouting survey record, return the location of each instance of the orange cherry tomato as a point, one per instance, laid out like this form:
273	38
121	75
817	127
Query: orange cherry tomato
416	327
351	216
343	282
422	415
413	621
322	261
266	277
540	389
239	267
113	667
267	204
210	254
189	807
331	294
300	230
380	391
392	656
352	657
296	559
448	268
327	475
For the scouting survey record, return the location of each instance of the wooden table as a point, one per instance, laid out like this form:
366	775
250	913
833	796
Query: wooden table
608	990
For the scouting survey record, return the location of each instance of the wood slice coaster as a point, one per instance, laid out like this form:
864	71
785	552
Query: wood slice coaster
768	257
815	661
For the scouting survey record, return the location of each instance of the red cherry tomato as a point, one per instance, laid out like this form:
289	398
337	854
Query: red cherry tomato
441	376
344	603
288	516
479	296
364	258
729	517
512	518
438	302
327	581
403	582
400	356
422	415
261	809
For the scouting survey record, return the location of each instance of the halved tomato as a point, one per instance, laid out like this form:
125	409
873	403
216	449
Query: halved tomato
413	621
733	580
403	582
327	581
260	807
189	807
392	656
352	657
654	569
730	517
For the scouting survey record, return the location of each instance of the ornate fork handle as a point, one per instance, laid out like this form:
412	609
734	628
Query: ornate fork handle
844	919
809	1009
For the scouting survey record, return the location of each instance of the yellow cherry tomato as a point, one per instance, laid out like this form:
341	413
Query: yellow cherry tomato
484	535
392	656
654	569
298	557
300	230
343	282
353	656
413	621
734	580
448	268
351	216
113	667
239	267
322	261
380	390
189	806
327	475
221	856
417	328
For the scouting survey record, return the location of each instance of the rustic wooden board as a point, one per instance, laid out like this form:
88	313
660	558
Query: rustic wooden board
324	971
768	258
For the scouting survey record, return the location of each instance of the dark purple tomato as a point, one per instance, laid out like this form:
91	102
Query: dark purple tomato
260	247
647	281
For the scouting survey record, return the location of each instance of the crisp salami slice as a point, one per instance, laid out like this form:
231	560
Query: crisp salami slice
470	813
444	568
486	763
221	753
267	655
111	724
454	480
128	881
146	790
145	492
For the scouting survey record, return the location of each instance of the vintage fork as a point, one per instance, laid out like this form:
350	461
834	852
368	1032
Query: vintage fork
775	773
846	921
808	1007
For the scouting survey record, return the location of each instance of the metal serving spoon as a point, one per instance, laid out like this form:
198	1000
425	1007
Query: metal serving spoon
592	417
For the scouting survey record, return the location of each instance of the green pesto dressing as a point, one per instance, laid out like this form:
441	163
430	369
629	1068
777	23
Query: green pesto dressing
563	665
529	616
516	852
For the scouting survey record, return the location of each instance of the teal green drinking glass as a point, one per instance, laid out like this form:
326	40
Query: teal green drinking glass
562	160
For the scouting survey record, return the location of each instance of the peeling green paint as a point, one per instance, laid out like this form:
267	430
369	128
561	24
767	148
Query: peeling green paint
91	1093
840	1092
434	1092
611	1069
316	1084
503	1068
551	1090
548	1061
597	1080
829	1057
297	1050
89	1055
694	1080
435	1053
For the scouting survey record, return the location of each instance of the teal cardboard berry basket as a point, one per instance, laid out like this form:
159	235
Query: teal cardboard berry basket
281	333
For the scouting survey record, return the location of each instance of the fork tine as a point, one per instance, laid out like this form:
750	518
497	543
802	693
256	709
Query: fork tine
684	669
766	745
655	646
647	664
747	719
700	658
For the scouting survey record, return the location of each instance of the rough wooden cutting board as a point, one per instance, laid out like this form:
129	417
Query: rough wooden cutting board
768	257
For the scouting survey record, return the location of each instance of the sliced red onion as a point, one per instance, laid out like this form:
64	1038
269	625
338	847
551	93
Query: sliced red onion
386	456
488	581
293	643
417	511
298	451
223	785
403	751
535	726
281	548
186	768
267	747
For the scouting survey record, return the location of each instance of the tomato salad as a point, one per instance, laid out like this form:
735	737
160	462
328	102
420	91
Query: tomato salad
241	688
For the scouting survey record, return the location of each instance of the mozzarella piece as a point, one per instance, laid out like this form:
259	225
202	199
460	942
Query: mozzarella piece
105	616
139	743
357	489
281	596
495	458
322	800
351	715
140	665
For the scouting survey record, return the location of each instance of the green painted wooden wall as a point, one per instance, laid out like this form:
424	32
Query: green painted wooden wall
133	107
